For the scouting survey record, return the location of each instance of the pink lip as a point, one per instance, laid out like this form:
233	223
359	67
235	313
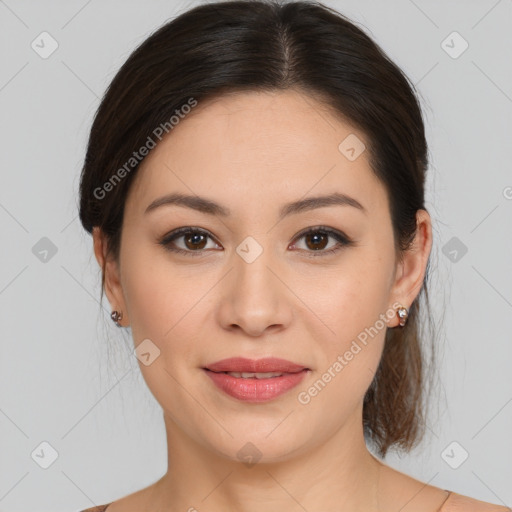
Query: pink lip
267	364
253	389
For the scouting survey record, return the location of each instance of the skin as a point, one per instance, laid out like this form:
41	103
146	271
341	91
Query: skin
253	152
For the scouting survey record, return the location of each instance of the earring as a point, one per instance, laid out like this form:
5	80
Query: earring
402	315
116	316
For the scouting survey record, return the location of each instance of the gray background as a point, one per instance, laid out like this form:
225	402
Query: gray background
67	374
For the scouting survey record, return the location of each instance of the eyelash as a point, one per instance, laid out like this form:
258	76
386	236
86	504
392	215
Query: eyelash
343	240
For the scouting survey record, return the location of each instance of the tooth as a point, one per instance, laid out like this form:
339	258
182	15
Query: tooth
248	375
268	375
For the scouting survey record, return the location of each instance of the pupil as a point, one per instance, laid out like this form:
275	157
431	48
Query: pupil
196	238
316	238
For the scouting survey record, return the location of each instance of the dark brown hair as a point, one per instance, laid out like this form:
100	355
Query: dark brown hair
237	46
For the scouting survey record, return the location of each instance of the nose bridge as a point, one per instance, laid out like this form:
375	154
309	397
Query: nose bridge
254	300
252	261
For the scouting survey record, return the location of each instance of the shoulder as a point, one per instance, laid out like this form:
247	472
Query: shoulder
460	503
98	508
405	493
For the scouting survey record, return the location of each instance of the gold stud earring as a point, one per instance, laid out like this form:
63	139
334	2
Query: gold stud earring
402	314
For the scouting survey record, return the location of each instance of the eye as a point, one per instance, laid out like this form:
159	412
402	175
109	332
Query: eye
316	240
194	241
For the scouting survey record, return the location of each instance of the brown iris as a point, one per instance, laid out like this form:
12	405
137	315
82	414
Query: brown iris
315	238
195	238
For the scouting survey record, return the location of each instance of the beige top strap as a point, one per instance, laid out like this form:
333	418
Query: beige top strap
460	503
442	508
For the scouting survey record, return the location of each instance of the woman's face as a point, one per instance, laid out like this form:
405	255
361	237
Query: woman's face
249	283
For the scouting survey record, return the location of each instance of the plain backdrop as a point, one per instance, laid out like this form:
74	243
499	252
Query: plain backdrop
70	387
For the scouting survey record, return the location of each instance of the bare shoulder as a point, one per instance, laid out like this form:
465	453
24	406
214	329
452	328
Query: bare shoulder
460	503
407	494
135	502
98	508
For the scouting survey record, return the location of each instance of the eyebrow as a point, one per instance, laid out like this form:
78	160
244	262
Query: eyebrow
204	205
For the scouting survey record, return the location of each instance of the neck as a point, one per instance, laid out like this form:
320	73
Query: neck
340	474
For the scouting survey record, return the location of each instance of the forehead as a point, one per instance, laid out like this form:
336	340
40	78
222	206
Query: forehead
258	148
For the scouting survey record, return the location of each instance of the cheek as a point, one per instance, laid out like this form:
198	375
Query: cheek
353	302
155	292
167	304
350	355
356	294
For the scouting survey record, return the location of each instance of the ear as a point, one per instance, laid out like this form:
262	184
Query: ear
410	272
110	269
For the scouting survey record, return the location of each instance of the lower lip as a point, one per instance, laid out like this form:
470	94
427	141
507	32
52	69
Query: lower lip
256	390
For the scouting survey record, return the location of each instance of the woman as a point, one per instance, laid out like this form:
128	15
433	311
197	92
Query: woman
254	185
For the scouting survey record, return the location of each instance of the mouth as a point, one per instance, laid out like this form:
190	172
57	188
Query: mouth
255	380
258	368
250	375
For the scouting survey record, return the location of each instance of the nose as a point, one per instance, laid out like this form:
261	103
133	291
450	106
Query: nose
255	299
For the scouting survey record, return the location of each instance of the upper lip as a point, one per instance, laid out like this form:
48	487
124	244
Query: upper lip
267	364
